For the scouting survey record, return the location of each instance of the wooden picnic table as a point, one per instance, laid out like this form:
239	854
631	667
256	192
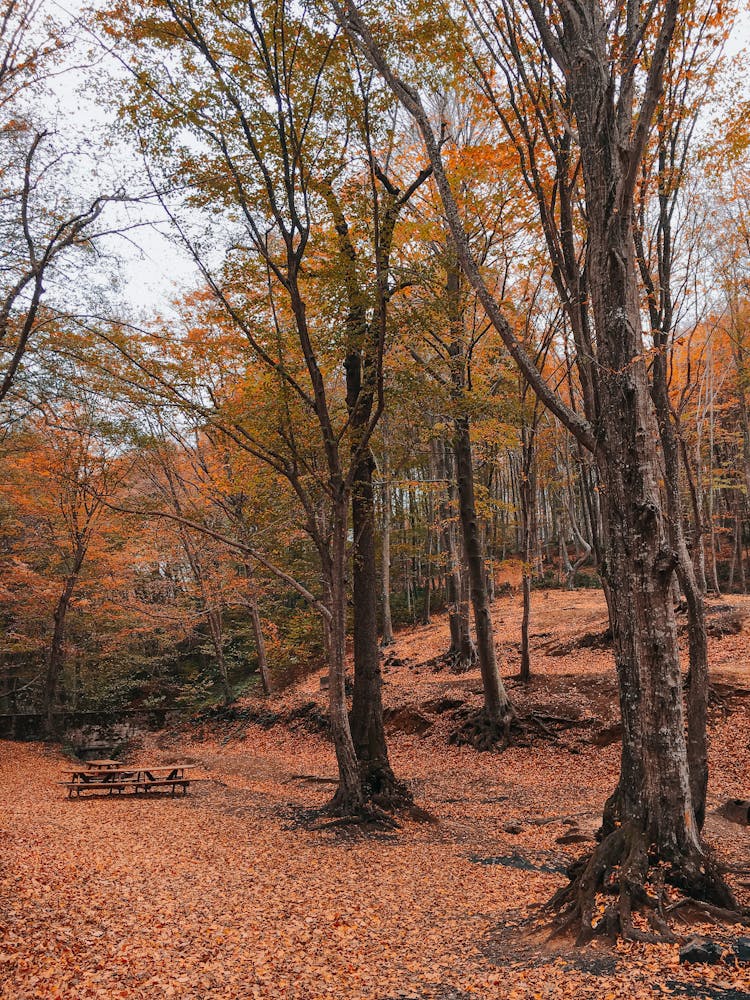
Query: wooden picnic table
140	777
103	764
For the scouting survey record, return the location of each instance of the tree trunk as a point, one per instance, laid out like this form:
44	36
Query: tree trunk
251	602
527	501
368	731
367	728
652	815
462	653
349	798
711	483
56	657
385	578
696	507
697	700
496	701
260	642
213	617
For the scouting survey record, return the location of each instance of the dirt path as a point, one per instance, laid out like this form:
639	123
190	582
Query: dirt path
223	895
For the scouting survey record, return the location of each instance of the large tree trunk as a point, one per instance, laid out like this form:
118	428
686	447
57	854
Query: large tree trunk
651	817
654	789
368	731
348	799
365	338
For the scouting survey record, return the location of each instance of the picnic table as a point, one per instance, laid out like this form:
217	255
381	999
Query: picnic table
114	776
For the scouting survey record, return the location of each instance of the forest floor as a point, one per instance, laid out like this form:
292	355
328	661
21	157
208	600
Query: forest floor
232	893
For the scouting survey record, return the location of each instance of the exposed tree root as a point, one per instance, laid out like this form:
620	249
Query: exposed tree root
365	816
383	790
705	910
316	779
460	661
620	890
381	798
483	732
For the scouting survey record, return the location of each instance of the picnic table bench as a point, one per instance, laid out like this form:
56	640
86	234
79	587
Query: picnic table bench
113	776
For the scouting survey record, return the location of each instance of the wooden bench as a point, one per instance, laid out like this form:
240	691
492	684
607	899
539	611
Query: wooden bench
123	778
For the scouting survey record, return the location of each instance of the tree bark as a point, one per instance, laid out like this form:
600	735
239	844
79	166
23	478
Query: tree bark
368	731
697	697
385	548
215	627
496	702
349	798
260	642
462	653
56	657
527	491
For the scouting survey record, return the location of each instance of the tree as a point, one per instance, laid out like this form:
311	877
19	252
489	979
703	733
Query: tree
606	69
44	229
306	290
453	327
65	472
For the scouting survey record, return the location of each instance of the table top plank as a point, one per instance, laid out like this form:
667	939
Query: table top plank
129	769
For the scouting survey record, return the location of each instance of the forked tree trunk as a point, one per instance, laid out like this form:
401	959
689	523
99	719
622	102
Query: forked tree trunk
364	340
652	815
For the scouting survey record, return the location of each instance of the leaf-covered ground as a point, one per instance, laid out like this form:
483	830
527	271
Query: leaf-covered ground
229	893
